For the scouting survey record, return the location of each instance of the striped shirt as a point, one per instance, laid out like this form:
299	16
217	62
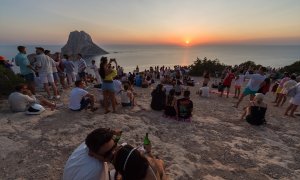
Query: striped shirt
81	65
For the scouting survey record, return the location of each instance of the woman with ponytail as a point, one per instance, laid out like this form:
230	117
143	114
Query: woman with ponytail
131	164
256	111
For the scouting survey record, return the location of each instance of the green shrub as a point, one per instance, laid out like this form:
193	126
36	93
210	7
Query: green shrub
8	81
293	68
206	65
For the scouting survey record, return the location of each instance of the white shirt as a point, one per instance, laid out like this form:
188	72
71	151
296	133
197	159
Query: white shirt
240	80
19	102
76	96
44	64
289	84
205	91
255	81
54	64
168	88
94	67
118	86
82	166
124	97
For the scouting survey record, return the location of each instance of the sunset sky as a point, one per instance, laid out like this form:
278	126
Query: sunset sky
151	21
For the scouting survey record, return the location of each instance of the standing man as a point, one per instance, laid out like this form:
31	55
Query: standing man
26	69
256	81
96	71
44	65
81	67
69	69
227	82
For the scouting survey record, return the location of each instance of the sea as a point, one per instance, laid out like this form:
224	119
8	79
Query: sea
144	56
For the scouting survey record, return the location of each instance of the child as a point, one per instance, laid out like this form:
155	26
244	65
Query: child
127	98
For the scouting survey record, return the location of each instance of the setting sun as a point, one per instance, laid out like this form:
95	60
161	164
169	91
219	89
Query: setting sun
187	42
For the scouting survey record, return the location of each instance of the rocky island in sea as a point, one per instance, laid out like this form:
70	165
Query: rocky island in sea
81	42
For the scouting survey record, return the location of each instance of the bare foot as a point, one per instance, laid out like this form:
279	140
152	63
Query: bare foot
275	105
285	114
106	112
292	115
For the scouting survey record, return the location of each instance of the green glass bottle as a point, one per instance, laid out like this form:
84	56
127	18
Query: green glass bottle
147	145
147	140
117	137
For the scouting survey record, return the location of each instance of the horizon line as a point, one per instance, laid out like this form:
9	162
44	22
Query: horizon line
161	44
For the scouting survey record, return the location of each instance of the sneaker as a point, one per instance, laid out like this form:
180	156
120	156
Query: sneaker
58	105
57	97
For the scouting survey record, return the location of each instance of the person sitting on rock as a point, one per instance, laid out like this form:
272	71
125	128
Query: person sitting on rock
127	98
204	91
170	109
80	98
158	101
184	107
22	99
256	110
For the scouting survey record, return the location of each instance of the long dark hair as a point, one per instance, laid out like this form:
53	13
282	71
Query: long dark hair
136	166
159	88
170	97
102	67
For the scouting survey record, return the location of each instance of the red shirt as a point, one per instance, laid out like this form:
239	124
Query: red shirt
228	79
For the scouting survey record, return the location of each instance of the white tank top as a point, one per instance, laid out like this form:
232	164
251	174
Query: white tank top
124	97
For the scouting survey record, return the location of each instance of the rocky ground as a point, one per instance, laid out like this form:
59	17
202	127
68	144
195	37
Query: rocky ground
215	145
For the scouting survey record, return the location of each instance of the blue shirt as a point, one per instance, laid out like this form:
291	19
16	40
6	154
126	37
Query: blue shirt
23	62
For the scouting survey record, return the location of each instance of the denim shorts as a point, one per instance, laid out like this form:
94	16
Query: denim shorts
55	76
108	86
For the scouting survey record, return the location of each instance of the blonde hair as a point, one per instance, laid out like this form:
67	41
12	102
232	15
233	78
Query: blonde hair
259	97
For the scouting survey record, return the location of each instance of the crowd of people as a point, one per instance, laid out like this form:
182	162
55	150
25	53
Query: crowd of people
171	95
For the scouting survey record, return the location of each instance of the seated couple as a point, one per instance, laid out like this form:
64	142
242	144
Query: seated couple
81	99
89	160
180	109
256	111
22	100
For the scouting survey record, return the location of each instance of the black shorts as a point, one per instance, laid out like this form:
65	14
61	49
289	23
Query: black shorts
83	104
